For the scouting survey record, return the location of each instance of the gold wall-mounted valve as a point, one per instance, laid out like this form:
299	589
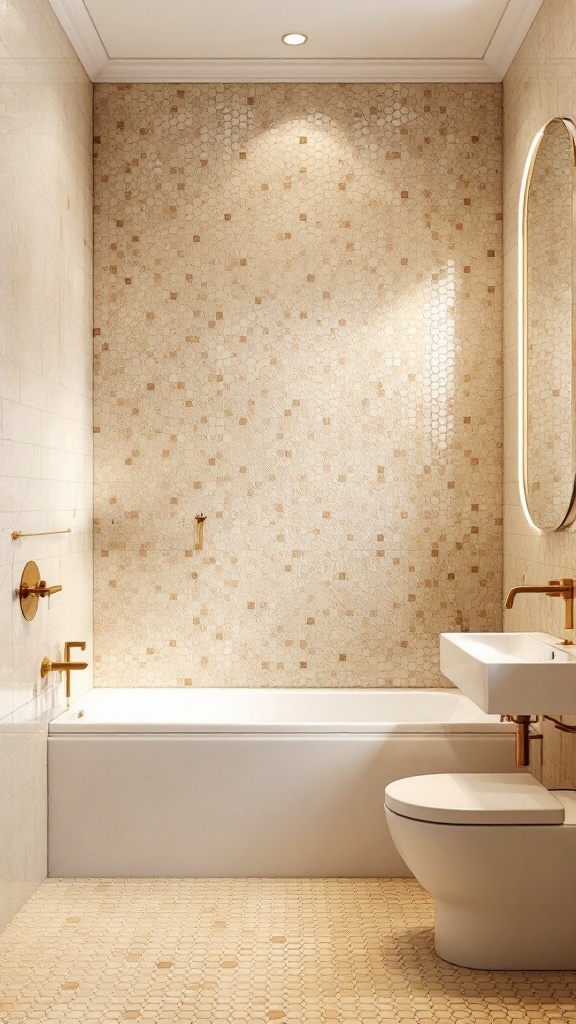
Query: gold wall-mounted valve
200	520
31	589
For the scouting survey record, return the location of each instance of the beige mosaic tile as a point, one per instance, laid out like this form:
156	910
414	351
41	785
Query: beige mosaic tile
297	334
541	84
250	951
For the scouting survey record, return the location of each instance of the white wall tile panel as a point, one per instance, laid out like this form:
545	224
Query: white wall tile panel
45	407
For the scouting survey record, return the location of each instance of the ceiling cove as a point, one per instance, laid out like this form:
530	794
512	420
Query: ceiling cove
240	40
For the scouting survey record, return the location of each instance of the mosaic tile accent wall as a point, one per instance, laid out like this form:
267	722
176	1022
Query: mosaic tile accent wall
540	84
45	408
298	334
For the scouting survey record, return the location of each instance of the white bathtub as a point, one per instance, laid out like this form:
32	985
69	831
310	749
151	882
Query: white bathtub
213	782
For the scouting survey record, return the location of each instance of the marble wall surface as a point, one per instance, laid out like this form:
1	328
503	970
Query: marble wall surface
45	407
540	84
298	334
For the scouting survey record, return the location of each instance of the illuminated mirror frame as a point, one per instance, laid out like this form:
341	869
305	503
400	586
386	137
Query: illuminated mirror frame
570	515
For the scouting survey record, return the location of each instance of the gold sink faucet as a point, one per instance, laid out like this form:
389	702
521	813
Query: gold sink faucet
555	588
66	666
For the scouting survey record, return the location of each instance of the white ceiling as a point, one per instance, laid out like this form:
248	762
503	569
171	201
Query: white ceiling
348	40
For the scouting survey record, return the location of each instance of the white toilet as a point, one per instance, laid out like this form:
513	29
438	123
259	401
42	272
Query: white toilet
498	854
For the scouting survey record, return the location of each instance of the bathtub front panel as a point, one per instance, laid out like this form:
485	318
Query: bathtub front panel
240	805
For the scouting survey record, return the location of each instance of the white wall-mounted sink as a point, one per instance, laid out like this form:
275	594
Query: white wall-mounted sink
512	673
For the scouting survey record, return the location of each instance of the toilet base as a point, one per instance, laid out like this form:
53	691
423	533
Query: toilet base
504	894
508	939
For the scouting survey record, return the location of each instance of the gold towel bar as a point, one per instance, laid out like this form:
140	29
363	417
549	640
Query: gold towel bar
47	533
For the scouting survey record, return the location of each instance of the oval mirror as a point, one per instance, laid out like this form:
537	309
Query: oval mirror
547	447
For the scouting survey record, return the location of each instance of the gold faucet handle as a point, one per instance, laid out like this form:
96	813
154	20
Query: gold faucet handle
41	590
45	591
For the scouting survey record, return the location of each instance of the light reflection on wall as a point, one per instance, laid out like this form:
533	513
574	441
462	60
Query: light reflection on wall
440	357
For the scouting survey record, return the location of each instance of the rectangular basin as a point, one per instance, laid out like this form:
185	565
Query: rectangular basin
512	673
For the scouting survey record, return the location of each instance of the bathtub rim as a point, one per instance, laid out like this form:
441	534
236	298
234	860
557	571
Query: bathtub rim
68	722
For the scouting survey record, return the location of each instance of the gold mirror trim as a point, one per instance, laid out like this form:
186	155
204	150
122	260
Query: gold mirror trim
570	514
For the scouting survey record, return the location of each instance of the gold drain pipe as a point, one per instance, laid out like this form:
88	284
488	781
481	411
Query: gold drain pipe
523	737
523	740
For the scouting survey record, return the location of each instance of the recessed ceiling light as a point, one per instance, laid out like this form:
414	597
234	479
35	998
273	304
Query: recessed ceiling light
294	38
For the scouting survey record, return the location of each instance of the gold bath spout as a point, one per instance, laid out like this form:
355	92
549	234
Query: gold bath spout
61	666
66	666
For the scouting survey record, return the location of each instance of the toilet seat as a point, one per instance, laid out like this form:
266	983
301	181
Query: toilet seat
474	799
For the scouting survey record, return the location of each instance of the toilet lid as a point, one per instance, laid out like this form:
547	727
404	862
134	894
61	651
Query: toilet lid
457	799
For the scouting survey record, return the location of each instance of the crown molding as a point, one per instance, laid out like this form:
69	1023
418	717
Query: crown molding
510	32
81	31
296	70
